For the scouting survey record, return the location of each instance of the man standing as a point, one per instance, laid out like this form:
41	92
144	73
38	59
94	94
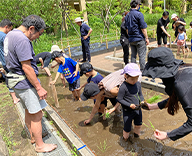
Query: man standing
19	56
177	22
85	31
6	26
162	24
136	27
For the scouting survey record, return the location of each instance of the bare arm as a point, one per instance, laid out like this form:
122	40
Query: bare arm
41	61
90	31
76	70
56	77
146	36
176	38
95	107
31	76
162	27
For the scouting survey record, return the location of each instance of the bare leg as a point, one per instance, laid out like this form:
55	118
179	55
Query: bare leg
78	93
159	45
165	45
47	71
125	135
137	129
178	51
15	99
183	50
75	95
63	80
33	122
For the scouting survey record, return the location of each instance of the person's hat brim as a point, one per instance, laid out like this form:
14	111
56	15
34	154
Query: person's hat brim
164	71
83	97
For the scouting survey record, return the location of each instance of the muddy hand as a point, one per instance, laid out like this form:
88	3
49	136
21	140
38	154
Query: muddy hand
160	134
86	122
144	105
42	93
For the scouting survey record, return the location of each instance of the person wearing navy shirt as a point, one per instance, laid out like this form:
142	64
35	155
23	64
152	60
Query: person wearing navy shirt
162	24
136	27
85	31
44	58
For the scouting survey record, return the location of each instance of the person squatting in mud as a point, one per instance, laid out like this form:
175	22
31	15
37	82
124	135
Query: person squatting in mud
176	76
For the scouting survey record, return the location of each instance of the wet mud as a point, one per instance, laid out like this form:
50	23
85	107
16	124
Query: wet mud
105	137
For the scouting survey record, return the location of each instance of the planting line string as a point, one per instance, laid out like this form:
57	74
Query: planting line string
81	147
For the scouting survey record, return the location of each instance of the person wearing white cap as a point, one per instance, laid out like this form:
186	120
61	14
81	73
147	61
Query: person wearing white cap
177	22
85	31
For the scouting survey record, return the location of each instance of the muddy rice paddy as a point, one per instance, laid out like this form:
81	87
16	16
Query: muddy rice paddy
105	137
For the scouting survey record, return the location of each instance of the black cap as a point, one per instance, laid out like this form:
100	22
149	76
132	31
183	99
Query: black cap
56	54
134	3
85	67
90	90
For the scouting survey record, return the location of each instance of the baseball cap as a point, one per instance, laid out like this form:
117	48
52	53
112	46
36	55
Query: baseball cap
90	90
85	67
131	69
56	54
173	16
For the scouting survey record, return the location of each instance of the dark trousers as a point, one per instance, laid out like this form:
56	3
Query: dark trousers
85	50
125	45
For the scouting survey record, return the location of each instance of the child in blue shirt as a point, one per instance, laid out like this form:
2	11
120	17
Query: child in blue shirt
130	97
69	68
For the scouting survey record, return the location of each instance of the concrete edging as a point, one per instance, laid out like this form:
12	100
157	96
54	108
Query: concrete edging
72	138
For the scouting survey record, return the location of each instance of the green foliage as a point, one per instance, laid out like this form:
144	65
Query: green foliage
17	10
151	19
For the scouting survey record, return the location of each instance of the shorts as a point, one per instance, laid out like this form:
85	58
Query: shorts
180	43
30	100
47	61
128	116
74	85
164	37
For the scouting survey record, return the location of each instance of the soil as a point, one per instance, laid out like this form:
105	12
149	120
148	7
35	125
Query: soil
105	137
11	128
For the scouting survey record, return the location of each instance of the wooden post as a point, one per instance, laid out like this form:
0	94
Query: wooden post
116	34
61	44
54	93
153	32
101	38
114	53
106	42
68	47
170	42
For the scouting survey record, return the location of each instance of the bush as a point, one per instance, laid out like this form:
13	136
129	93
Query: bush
118	20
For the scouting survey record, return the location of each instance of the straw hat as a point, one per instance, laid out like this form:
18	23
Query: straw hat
55	48
78	19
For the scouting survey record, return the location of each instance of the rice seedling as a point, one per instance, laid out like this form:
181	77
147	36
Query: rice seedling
103	147
154	99
151	125
107	115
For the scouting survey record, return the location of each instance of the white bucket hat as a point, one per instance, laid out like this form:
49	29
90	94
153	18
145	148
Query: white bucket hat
78	19
173	16
55	48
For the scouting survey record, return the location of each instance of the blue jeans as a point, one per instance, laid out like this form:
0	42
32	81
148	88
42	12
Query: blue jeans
85	49
140	48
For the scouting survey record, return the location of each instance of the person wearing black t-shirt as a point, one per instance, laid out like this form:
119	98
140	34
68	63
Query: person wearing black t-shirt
177	22
162	24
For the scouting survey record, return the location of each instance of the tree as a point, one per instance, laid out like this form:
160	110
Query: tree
17	10
107	10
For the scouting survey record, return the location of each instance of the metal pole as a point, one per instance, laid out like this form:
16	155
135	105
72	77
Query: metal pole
164	5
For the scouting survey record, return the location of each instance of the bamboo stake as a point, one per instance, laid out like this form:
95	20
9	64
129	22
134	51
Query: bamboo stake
61	44
54	92
170	43
114	53
106	41
101	38
153	32
68	47
116	34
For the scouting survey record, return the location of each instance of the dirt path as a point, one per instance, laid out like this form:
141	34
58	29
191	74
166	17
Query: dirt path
11	128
